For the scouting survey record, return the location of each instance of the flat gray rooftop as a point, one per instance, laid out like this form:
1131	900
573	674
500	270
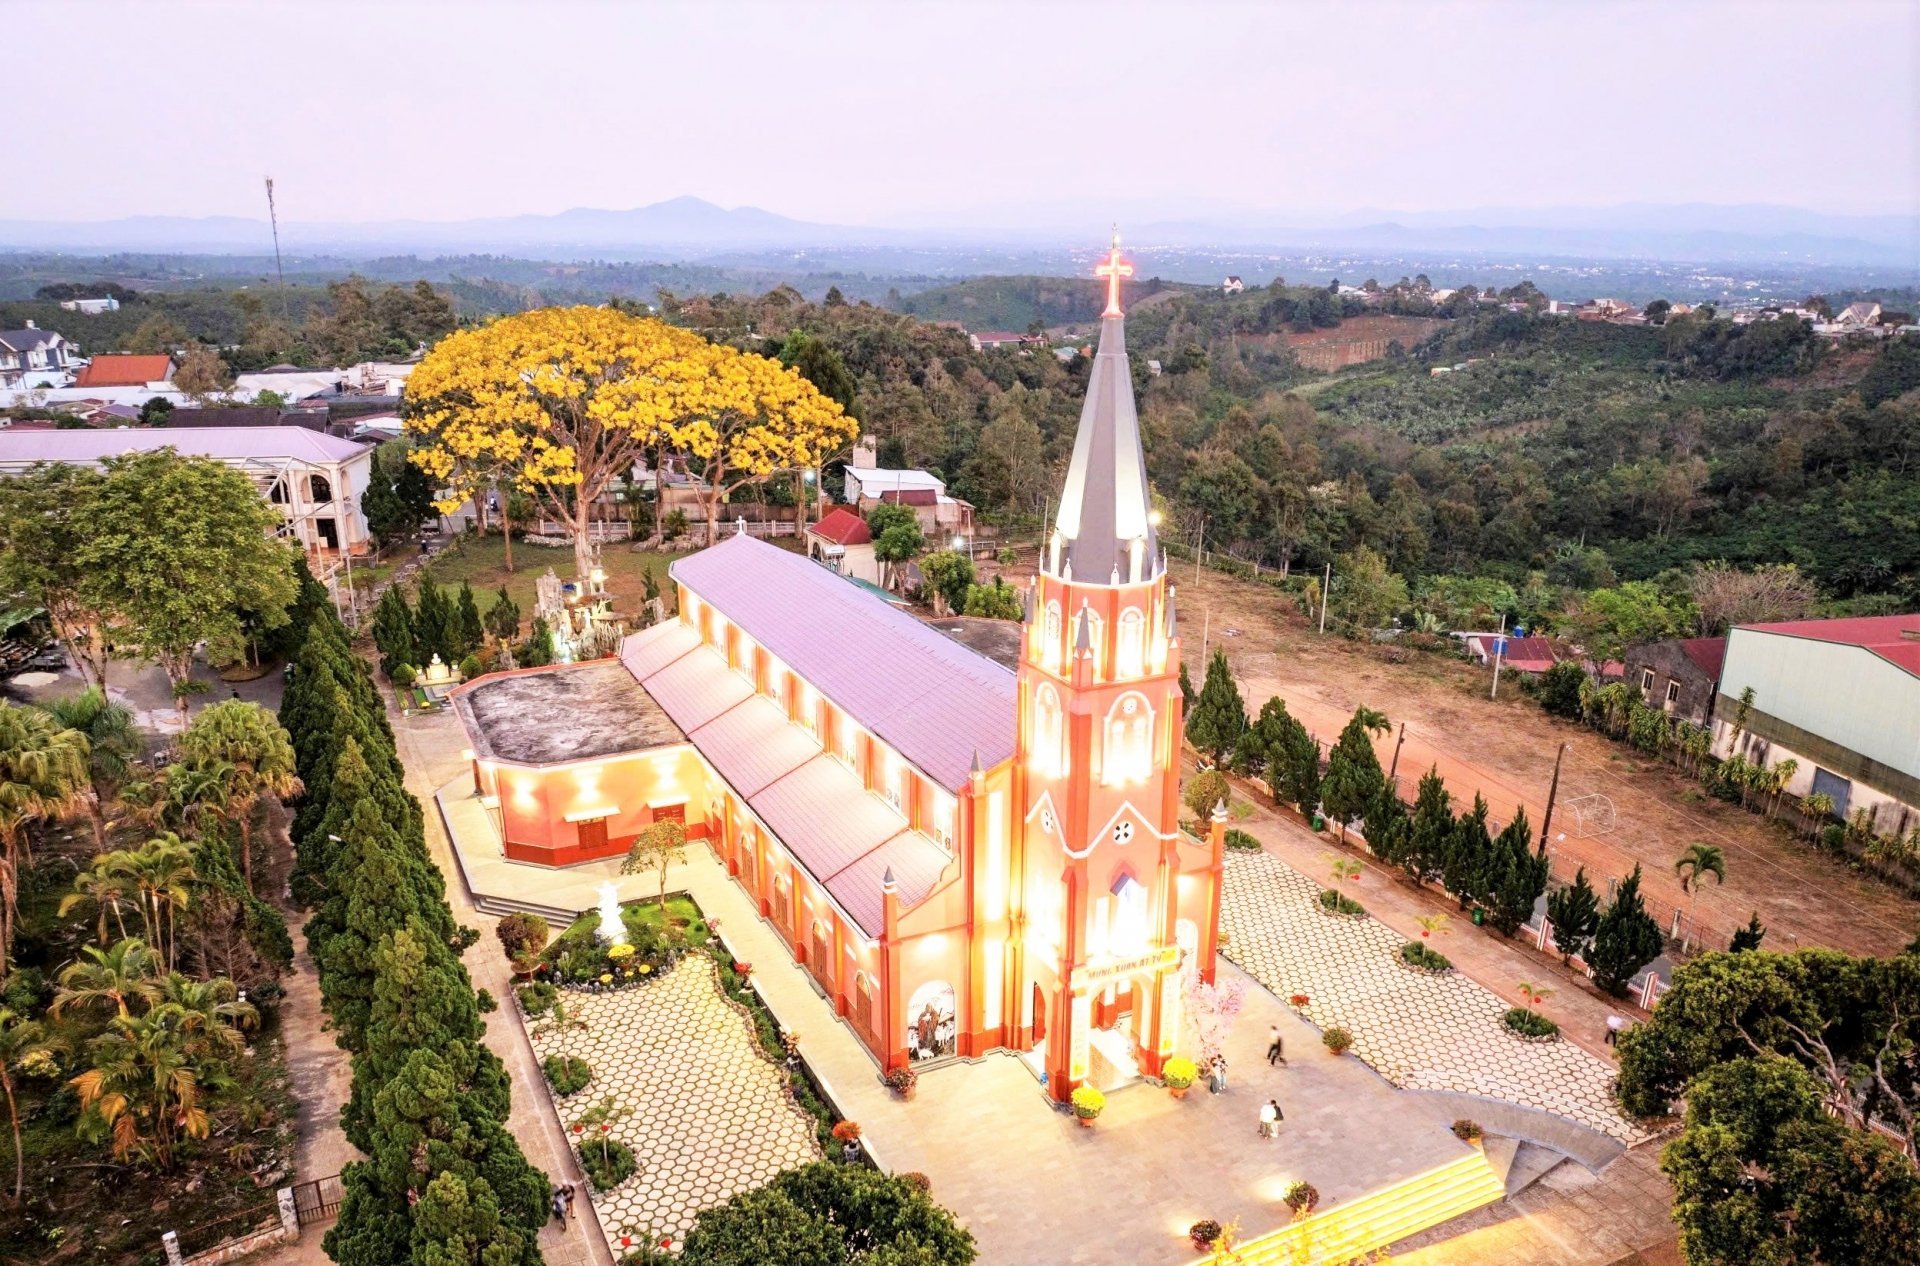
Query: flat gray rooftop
998	640
575	712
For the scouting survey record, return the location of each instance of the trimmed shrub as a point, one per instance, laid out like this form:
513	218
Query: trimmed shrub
1337	1039
1529	1024
1415	954
1339	903
537	998
1237	838
608	1164
567	1074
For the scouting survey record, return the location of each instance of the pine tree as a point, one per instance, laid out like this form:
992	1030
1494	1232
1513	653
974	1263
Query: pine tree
1574	912
393	631
1299	783
433	623
457	1223
1219	715
538	648
1186	687
1520	877
1389	828
1748	937
1625	940
1468	850
386	513
1354	778
1430	836
470	633
503	617
1262	749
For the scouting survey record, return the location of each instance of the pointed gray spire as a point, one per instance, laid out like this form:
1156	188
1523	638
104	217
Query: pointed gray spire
979	770
887	883
1104	506
1172	625
1083	634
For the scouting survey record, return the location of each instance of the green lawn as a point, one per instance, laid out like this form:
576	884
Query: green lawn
643	920
481	561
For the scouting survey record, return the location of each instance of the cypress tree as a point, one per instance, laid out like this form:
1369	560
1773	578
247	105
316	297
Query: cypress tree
1429	837
1468	850
1262	750
503	618
1520	878
538	649
1186	685
1748	937
458	1221
470	632
1389	829
433	623
1625	940
1574	912
1219	715
393	631
1300	783
1354	778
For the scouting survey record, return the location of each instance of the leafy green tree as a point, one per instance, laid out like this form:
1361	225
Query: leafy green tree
174	550
1354	777
1625	940
45	518
19	1037
1365	592
1610	620
824	1214
996	601
457	1223
1261	751
246	739
503	617
1762	1174
1204	790
469	632
1219	716
900	543
388	517
950	575
1560	689
1574	912
657	846
393	631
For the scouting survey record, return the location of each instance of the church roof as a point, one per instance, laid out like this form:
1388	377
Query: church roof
923	694
1103	508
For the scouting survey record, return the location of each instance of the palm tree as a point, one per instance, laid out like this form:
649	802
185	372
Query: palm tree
198	793
561	1021
208	1014
1779	774
1815	809
1434	924
1343	868
1372	720
43	774
121	974
106	887
247	740
113	743
1534	994
144	1086
163	872
1699	859
18	1037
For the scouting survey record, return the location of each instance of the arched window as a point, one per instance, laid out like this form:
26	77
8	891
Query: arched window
1132	646
1127	926
1127	753
319	489
1097	643
1050	635
1049	731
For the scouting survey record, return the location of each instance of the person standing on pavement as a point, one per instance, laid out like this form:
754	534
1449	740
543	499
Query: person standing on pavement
1267	1119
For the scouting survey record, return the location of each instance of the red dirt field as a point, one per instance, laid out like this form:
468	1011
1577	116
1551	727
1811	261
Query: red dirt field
1505	750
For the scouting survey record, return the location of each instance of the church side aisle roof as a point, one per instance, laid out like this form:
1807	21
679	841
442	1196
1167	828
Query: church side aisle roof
931	699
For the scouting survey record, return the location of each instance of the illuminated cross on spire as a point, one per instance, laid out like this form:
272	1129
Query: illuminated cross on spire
1113	270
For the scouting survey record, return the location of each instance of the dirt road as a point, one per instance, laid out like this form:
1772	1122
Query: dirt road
1505	750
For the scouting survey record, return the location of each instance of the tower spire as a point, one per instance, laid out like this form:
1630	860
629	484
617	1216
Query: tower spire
1103	517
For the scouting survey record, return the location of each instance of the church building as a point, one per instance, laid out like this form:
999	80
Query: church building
966	853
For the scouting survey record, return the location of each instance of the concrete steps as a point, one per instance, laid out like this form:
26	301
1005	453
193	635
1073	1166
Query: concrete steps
1379	1218
1590	1147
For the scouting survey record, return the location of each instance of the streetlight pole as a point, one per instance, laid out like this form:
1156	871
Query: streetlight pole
1553	789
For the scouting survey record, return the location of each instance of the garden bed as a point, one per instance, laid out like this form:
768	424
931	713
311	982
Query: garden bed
1339	906
1529	1026
1417	957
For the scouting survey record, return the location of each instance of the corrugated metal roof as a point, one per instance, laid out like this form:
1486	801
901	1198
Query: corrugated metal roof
916	862
825	817
843	527
923	694
696	688
754	744
1894	638
121	370
222	443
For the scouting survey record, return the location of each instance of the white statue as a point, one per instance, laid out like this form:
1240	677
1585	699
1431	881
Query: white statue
612	929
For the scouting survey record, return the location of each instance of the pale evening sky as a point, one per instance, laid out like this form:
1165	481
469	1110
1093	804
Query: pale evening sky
947	113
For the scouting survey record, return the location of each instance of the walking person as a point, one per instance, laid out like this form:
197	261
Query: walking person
559	1205
1273	1105
1268	1117
568	1191
1615	1023
1276	1048
1219	1074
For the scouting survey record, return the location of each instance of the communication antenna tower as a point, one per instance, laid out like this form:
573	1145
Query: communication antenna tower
273	218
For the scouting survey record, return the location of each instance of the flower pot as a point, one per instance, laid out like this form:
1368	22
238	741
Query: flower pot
1086	1123
906	1094
1201	1246
1178	1092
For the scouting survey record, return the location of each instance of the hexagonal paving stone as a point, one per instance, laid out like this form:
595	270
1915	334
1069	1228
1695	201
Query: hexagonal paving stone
708	1116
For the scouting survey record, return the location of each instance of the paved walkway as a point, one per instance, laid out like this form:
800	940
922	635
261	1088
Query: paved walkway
707	1116
1418	1031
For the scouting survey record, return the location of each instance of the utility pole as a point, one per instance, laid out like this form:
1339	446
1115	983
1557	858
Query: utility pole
1499	653
273	218
1326	595
1553	789
1199	551
1398	744
1206	628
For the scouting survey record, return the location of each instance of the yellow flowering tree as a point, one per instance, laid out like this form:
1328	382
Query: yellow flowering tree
560	402
760	417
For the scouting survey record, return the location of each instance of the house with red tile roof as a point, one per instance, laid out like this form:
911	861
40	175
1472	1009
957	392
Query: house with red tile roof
841	542
117	370
1680	676
1841	699
965	856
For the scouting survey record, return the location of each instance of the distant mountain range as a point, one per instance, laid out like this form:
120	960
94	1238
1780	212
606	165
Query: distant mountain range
690	228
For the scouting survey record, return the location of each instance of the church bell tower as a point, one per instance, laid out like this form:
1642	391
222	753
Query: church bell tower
1119	905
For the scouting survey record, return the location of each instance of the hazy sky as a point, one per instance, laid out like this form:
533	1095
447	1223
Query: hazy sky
940	113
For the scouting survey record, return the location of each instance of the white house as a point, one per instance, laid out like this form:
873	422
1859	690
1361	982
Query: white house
940	516
91	307
35	357
1857	316
317	481
1841	698
1232	286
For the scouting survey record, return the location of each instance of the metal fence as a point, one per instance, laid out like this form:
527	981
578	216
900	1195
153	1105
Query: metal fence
318	1200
